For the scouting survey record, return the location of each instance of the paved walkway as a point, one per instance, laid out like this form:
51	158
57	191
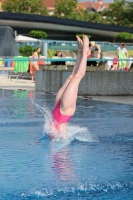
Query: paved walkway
15	84
23	84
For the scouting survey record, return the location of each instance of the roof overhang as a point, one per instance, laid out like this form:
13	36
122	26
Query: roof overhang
56	27
61	24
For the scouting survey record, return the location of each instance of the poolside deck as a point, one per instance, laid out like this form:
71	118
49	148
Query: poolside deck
14	84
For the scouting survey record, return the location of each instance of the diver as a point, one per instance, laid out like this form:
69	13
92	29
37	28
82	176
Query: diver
65	101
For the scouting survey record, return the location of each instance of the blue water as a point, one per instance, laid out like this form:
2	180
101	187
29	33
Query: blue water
95	164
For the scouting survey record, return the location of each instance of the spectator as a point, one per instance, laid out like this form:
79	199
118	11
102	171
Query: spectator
122	53
89	51
95	54
35	65
59	54
123	49
89	54
115	64
97	50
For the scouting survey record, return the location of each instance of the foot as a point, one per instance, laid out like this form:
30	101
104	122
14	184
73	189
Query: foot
85	44
80	43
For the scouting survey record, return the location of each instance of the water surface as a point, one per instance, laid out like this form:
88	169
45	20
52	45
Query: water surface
95	164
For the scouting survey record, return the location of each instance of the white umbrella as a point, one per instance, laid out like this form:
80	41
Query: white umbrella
22	38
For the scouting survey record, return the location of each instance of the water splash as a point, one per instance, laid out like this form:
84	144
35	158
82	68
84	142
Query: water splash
73	132
81	191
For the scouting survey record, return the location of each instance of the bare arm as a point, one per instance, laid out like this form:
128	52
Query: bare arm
34	54
116	51
99	50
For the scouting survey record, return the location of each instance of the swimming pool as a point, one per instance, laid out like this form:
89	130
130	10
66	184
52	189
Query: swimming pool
95	165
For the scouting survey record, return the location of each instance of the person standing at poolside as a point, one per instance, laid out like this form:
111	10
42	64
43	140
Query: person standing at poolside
123	49
65	101
35	65
95	54
97	50
122	53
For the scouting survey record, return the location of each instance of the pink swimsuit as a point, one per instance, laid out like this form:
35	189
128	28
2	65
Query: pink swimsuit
58	117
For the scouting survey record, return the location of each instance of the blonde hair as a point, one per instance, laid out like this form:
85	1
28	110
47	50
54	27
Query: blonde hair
92	43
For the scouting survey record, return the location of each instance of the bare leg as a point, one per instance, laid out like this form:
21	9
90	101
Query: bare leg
34	67
79	56
80	52
61	90
69	96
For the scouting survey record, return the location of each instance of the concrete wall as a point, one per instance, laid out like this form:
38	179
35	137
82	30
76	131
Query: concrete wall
93	83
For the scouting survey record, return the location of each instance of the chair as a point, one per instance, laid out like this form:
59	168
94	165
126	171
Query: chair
21	65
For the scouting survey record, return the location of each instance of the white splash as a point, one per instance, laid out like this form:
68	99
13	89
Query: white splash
73	132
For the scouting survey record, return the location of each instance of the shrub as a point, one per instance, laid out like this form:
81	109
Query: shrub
124	36
38	34
26	50
81	35
51	53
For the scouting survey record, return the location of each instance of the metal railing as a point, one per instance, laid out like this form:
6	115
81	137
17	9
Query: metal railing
72	45
52	62
61	59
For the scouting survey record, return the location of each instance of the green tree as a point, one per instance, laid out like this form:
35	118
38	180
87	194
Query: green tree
69	9
95	17
129	14
25	6
119	13
115	12
38	34
66	8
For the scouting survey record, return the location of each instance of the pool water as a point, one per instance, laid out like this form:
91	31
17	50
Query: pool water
95	163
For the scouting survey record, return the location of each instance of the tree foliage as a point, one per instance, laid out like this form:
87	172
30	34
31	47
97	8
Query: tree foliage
81	35
38	34
69	9
124	36
25	6
119	13
65	8
26	50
